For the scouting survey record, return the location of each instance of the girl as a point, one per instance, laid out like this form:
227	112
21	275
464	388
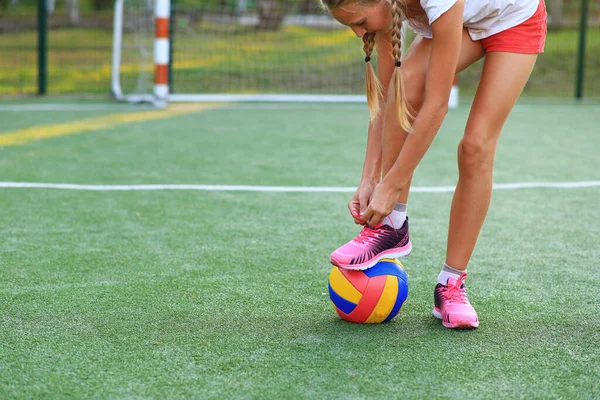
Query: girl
408	100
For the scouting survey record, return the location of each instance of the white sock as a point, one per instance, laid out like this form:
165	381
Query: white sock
397	217
449	272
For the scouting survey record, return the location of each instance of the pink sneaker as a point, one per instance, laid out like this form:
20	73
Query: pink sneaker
452	306
371	245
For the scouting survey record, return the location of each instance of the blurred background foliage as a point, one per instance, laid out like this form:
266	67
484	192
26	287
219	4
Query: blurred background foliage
245	46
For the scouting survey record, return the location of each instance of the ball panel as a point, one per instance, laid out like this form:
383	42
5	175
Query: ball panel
400	299
341	303
343	315
386	302
387	266
358	279
342	287
369	299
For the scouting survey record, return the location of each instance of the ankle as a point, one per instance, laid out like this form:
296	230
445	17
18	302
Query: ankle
397	216
449	272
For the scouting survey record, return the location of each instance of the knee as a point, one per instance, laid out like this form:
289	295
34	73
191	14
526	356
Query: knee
413	75
476	153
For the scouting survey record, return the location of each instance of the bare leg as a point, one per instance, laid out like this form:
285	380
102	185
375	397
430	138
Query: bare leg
503	78
414	73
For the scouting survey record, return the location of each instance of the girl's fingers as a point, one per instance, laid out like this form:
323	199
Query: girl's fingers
357	217
353	207
372	218
375	220
366	216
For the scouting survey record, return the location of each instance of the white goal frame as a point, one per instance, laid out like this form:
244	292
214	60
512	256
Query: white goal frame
161	95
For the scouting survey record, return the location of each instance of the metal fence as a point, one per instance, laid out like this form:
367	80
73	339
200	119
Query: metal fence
228	45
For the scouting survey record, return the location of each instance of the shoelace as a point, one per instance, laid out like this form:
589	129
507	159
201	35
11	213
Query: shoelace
455	292
366	234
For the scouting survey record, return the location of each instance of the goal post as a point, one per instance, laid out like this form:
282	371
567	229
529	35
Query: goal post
144	18
161	50
225	51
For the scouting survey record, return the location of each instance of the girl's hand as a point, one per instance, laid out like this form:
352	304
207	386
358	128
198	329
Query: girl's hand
359	202
381	205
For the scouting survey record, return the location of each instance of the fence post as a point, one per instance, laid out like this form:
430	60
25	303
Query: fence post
581	51
42	46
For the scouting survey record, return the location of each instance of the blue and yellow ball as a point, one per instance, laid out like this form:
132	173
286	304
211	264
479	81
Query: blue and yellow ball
371	296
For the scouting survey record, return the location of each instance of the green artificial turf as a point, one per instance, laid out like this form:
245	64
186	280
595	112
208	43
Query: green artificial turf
197	294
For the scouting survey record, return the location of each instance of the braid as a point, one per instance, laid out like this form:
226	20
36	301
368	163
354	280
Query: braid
396	30
405	113
368	43
373	86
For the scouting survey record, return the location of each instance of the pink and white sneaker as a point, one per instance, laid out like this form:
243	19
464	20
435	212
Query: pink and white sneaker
371	245
452	305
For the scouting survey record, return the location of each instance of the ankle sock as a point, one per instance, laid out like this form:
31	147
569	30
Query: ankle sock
397	217
449	272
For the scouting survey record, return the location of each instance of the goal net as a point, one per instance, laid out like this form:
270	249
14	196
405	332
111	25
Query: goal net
234	50
133	50
245	49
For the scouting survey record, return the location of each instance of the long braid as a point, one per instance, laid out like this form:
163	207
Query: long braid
373	85
374	88
405	113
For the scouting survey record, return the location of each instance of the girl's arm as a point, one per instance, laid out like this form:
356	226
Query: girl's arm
385	67
447	35
371	174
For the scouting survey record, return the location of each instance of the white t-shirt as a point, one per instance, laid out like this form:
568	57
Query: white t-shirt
482	18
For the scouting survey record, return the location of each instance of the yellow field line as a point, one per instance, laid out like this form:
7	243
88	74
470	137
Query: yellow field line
22	136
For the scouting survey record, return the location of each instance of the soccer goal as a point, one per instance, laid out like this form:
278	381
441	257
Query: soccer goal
233	50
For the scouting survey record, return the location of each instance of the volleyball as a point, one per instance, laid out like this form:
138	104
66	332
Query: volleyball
371	296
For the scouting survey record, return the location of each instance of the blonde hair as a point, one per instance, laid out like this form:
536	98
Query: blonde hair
405	112
373	85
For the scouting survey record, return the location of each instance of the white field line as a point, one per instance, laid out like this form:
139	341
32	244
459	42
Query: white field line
242	106
137	107
73	107
143	107
288	189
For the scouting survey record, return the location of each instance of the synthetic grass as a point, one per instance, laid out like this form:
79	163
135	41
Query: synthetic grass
185	294
293	145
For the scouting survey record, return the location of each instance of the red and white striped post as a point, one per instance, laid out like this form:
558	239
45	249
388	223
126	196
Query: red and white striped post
162	12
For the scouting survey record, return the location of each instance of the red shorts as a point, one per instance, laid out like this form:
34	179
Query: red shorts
528	37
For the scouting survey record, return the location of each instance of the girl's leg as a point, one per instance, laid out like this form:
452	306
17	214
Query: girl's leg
370	246
414	72
503	78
